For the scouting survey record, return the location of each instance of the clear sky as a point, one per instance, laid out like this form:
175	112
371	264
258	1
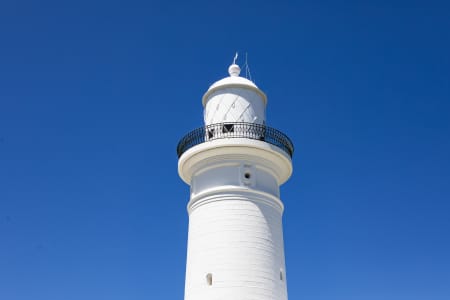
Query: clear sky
94	96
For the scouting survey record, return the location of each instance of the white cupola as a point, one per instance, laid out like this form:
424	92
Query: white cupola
234	99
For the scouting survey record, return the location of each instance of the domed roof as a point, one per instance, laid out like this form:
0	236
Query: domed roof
234	80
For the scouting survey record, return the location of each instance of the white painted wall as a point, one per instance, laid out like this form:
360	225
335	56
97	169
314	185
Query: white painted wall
236	236
235	228
232	174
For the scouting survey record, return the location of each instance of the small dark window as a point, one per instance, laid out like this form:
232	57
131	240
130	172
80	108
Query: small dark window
210	133
247	175
209	279
228	128
281	275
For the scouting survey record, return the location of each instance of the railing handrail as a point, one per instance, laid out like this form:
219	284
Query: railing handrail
235	130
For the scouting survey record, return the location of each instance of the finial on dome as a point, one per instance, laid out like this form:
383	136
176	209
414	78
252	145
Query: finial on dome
234	69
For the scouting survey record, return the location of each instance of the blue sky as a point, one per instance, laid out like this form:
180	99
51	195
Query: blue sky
95	95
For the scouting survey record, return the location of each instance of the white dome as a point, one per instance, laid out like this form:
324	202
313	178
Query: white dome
235	81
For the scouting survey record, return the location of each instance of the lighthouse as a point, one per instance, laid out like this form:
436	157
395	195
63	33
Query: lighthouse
234	165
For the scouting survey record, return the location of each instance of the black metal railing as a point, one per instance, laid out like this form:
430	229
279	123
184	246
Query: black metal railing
235	130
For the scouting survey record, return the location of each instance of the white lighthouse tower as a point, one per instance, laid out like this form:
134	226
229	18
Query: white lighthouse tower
234	165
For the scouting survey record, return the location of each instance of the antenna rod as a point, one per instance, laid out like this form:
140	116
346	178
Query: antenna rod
248	75
235	58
